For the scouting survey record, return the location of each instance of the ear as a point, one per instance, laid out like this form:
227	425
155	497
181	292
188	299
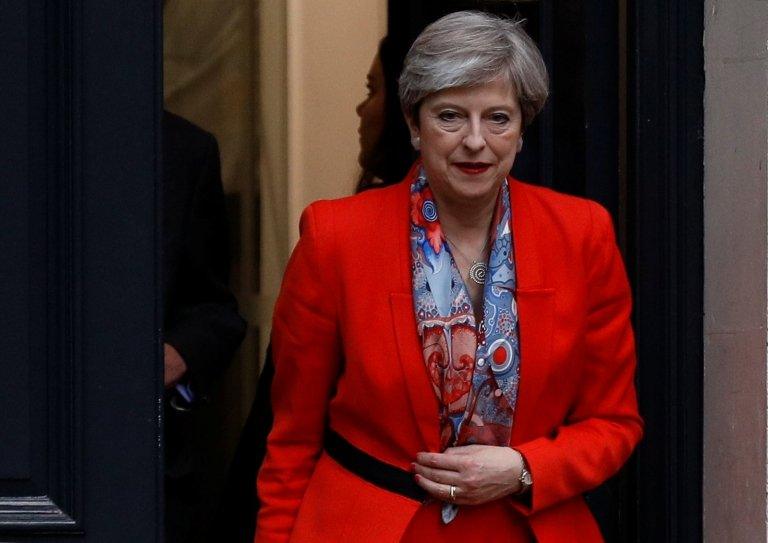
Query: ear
413	128
413	125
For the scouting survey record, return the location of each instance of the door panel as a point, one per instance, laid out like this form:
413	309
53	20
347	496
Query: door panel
80	348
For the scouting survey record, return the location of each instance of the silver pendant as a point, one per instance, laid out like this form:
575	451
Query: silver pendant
477	272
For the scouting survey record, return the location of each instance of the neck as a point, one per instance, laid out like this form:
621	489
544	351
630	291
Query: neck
466	223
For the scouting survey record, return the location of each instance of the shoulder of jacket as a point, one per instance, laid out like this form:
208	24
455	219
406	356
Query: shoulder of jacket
574	220
551	197
358	209
576	209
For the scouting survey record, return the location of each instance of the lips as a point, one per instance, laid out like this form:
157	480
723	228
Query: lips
472	168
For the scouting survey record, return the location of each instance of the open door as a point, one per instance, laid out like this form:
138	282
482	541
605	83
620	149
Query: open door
80	455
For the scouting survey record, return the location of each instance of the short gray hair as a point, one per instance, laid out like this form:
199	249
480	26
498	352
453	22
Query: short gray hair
471	48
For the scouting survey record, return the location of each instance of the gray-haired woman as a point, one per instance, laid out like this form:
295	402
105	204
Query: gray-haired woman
454	357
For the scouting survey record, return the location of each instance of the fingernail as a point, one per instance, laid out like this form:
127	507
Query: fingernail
413	466
417	477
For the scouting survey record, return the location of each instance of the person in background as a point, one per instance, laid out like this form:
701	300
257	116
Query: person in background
385	157
385	154
454	358
202	327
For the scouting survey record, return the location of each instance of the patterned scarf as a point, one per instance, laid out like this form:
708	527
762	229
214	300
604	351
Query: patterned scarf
474	370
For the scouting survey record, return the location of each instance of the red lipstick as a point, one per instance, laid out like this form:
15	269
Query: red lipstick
472	168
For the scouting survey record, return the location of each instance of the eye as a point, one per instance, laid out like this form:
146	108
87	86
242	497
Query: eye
448	116
499	118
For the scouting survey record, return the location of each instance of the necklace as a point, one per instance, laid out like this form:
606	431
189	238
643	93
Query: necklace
477	270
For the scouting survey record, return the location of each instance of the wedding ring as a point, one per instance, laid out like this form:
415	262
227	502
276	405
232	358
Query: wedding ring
452	493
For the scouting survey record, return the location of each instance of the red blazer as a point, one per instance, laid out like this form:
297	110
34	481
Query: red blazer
347	354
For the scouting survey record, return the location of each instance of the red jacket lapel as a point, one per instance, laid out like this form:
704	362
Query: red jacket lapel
535	303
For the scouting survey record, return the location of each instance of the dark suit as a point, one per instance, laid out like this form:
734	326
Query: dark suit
201	318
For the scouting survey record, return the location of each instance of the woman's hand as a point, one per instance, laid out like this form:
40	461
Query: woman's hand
480	473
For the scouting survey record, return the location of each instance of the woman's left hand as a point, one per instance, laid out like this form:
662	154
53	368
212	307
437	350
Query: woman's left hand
480	473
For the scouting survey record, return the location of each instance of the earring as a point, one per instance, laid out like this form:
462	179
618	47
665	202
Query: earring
416	142
519	145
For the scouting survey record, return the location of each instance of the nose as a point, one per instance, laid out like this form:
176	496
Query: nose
474	140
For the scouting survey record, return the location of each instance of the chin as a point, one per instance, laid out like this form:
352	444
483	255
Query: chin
362	159
476	188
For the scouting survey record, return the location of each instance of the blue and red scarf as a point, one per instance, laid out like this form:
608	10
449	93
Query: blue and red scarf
474	370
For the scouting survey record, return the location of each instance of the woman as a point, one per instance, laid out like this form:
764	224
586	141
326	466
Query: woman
454	356
385	154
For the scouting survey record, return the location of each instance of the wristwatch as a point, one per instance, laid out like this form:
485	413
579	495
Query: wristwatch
526	481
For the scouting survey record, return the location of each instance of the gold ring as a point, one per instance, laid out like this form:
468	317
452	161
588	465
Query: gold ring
452	493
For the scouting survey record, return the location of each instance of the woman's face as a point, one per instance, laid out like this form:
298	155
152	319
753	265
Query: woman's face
371	113
469	139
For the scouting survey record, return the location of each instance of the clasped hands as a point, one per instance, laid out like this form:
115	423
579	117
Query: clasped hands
479	473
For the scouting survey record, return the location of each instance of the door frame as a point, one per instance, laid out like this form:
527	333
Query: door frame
666	240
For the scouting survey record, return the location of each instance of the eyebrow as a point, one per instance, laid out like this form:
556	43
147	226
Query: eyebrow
504	107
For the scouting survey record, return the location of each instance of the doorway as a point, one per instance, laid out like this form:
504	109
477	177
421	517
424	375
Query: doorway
621	128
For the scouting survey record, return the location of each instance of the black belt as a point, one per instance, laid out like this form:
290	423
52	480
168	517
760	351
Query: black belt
372	469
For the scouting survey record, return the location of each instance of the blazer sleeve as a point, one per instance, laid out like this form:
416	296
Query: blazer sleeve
603	425
306	354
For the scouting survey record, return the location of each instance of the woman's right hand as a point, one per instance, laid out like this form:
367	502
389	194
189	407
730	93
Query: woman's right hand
479	473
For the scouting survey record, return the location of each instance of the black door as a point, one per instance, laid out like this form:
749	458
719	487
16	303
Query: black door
623	126
79	275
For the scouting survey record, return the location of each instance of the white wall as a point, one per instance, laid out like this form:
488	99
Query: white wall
735	253
330	47
314	59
